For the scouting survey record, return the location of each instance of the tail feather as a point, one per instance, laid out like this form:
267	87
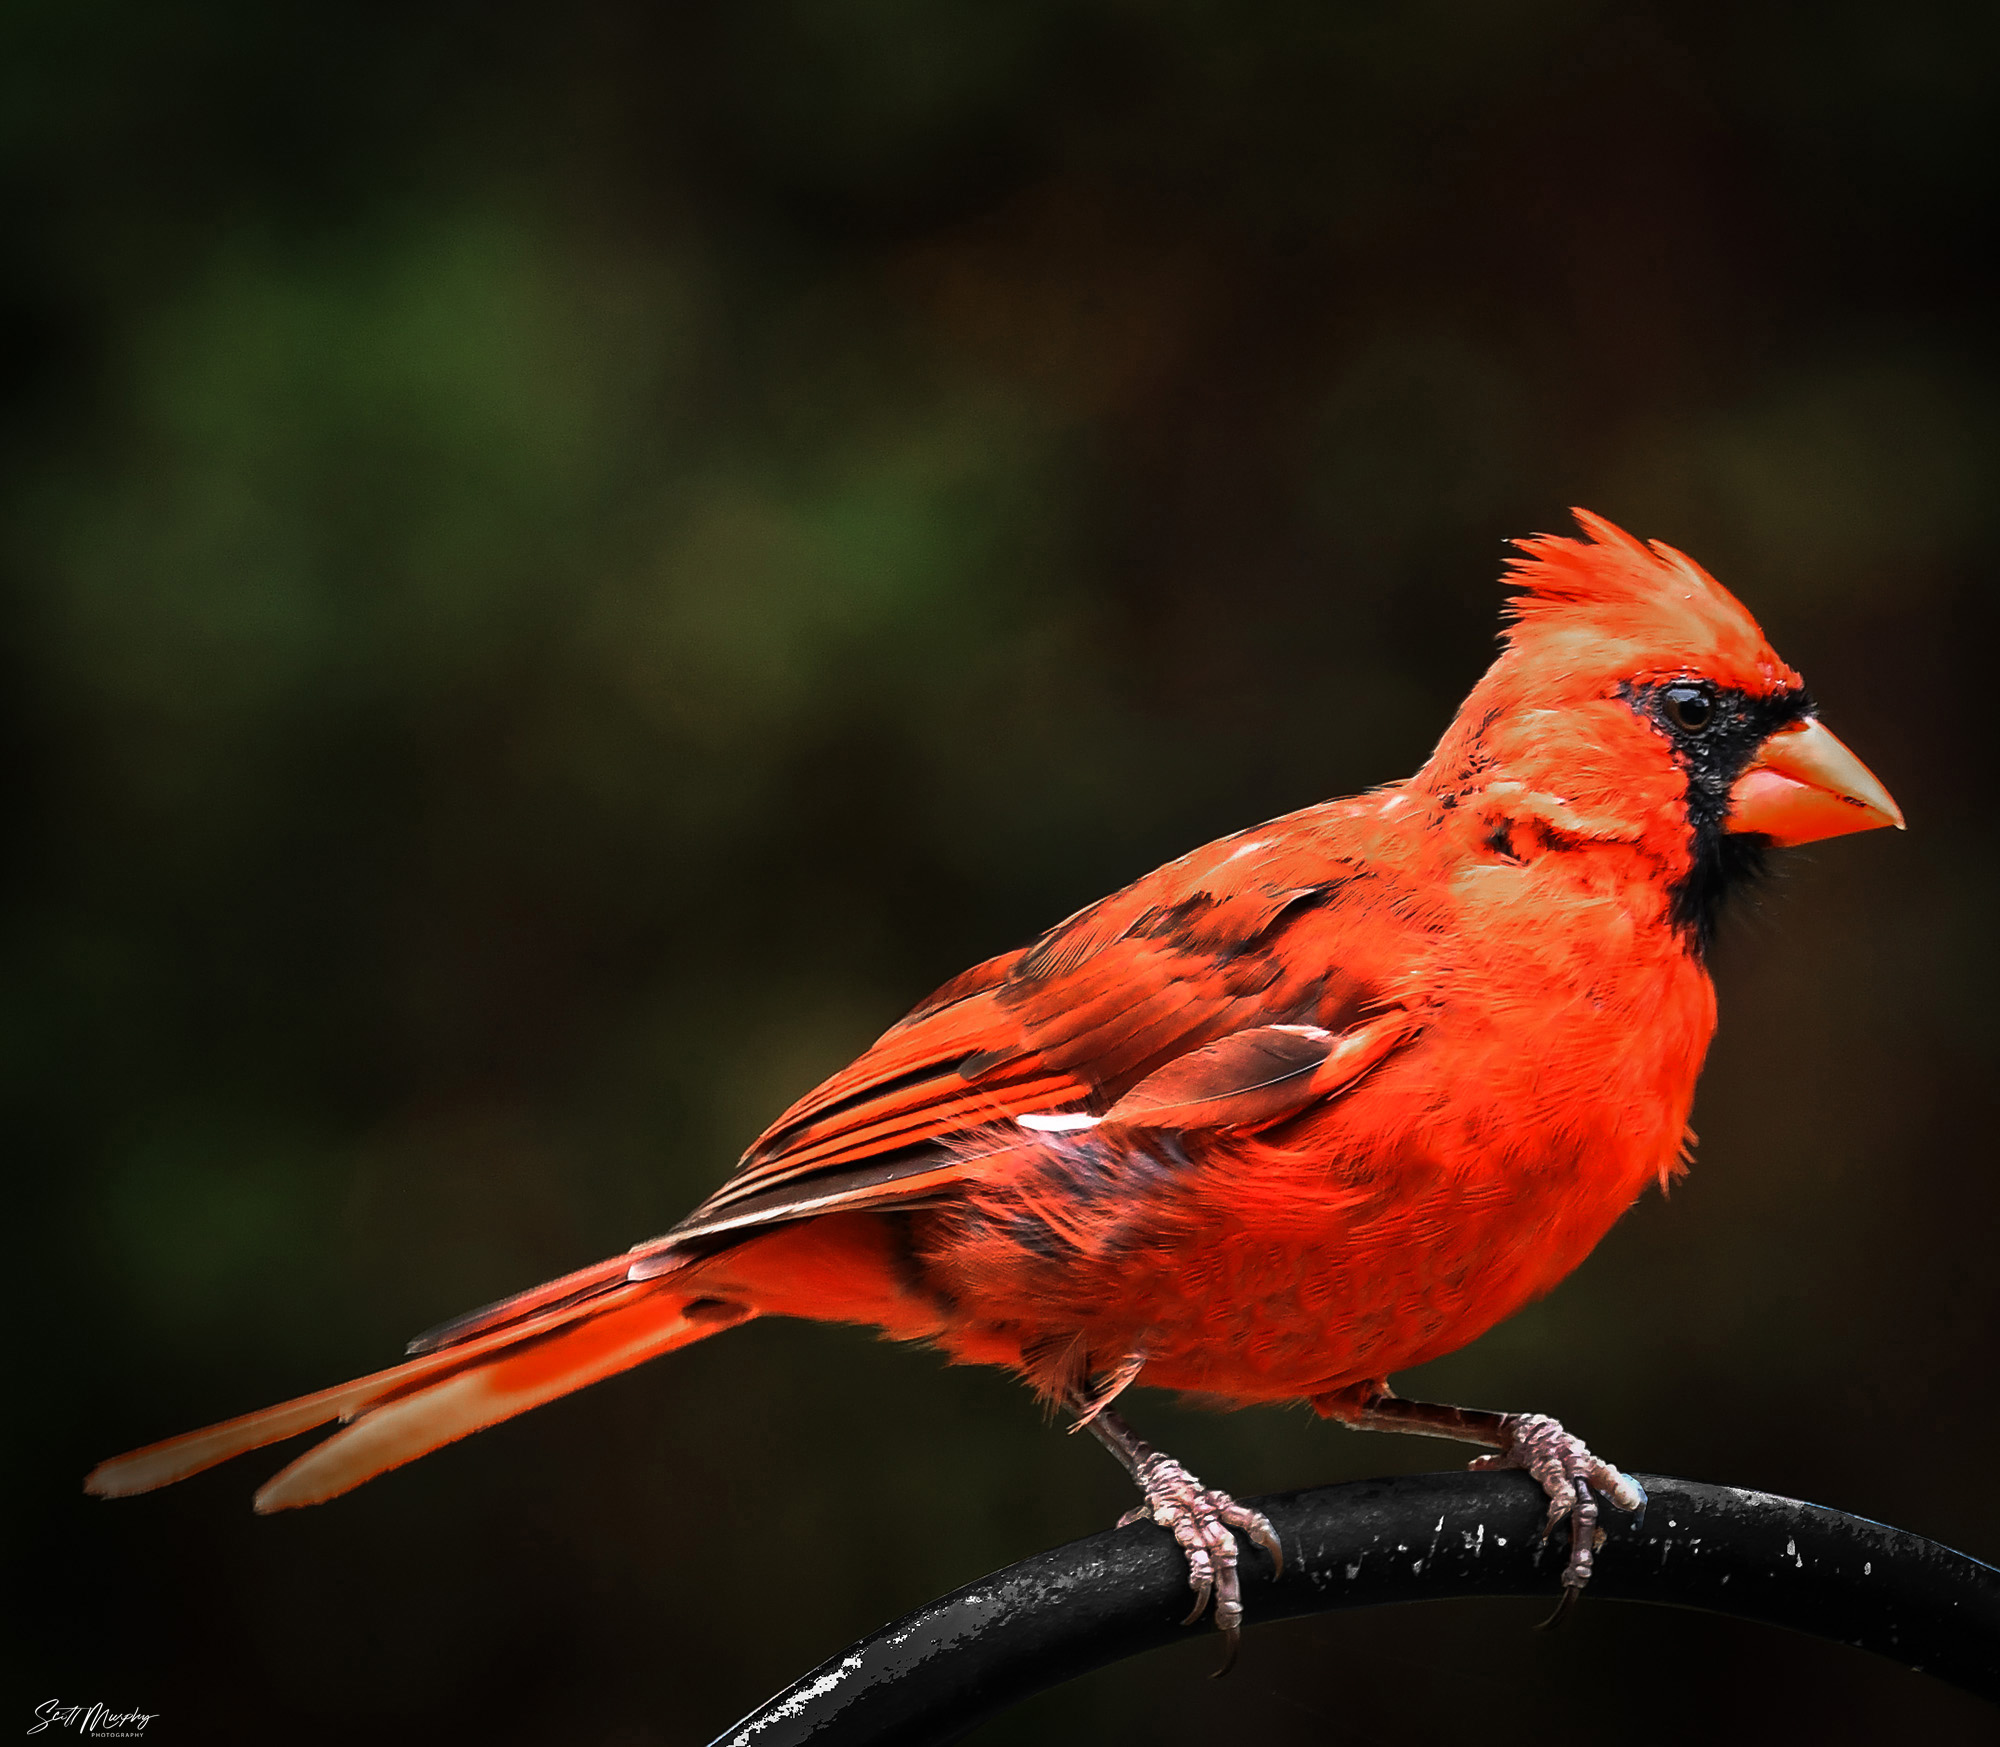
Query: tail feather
500	1373
614	1338
572	1289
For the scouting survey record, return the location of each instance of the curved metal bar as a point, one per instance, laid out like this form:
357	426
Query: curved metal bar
1423	1537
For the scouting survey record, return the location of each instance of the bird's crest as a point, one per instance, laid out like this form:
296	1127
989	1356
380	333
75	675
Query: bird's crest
1612	592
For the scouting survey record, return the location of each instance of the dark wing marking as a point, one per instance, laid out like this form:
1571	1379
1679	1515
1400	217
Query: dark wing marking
1202	949
1251	1079
1247	1077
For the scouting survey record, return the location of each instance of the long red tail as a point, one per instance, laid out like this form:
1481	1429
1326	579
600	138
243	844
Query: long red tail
395	1416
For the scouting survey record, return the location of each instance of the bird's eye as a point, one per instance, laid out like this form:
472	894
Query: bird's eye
1690	706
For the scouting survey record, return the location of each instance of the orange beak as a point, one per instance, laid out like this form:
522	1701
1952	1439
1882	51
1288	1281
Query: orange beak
1804	785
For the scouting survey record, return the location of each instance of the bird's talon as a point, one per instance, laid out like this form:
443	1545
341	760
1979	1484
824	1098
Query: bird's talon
1258	1528
1201	1522
1203	1589
1565	1604
1572	1477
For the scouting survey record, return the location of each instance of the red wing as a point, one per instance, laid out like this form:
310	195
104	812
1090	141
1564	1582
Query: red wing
1201	949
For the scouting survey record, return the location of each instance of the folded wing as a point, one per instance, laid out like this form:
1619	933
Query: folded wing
1204	950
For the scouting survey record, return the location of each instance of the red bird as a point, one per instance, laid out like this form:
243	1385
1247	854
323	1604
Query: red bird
1320	1101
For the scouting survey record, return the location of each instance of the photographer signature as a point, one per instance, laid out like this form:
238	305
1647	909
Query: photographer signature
93	1722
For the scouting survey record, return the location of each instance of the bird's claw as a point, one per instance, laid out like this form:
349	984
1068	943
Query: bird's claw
1204	1524
1565	1469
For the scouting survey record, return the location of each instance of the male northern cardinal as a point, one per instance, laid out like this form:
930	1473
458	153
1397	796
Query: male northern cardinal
1320	1101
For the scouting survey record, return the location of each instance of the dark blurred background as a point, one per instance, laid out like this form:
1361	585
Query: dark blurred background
563	565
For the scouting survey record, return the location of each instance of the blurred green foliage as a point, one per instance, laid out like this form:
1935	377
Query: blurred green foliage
562	567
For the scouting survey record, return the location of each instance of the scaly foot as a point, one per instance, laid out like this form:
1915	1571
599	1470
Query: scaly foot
1201	1519
1561	1465
1572	1477
1203	1522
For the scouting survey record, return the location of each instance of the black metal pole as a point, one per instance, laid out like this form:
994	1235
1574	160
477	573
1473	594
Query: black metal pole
1424	1537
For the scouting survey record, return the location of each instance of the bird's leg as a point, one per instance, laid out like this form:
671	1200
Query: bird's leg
1563	1465
1200	1519
1098	1393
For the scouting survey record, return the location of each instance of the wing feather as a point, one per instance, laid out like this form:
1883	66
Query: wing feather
1206	947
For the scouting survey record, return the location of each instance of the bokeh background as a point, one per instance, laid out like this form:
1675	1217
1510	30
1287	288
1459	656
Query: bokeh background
563	565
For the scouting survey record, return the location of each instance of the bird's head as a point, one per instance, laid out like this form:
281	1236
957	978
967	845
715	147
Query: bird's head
1637	702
